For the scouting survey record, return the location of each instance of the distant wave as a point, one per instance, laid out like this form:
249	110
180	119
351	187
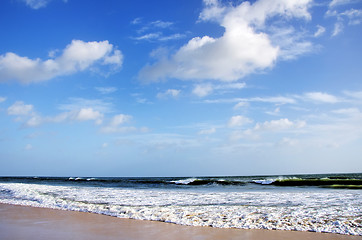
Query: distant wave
347	181
331	182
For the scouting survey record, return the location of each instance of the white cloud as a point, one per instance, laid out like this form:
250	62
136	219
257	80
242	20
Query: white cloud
34	121
114	124
169	93
20	108
321	97
2	99
77	56
202	90
275	112
244	48
106	90
74	104
354	94
36	4
119	119
149	36
354	16
320	31
287	142
238	121
277	125
335	3
348	111
276	100
172	37
136	21
338	28
86	114
241	105
161	24
80	115
153	31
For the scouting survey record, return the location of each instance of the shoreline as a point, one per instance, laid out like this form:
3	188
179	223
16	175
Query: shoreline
24	222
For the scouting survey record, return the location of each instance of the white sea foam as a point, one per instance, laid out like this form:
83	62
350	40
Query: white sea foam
320	211
185	181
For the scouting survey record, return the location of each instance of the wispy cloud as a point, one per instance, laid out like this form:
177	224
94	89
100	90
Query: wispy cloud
174	93
26	114
20	108
36	4
320	31
202	90
320	97
207	131
353	16
75	103
155	31
106	90
115	123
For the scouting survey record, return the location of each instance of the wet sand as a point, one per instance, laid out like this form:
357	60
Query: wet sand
18	222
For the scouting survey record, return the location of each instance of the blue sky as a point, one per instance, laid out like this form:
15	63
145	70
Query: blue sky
180	88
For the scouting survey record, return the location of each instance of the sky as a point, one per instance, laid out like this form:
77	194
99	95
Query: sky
180	88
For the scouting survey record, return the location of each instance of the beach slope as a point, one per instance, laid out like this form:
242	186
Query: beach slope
19	222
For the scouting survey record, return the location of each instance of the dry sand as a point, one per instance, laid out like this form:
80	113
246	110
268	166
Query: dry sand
18	222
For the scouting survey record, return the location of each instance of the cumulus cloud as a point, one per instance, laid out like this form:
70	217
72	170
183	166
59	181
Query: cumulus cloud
77	56
244	48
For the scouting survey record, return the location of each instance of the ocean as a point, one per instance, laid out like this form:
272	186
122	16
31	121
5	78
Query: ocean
320	203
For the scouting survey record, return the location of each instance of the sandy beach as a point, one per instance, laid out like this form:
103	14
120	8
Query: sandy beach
19	222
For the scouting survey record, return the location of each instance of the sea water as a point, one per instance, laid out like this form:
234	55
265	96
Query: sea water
320	203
